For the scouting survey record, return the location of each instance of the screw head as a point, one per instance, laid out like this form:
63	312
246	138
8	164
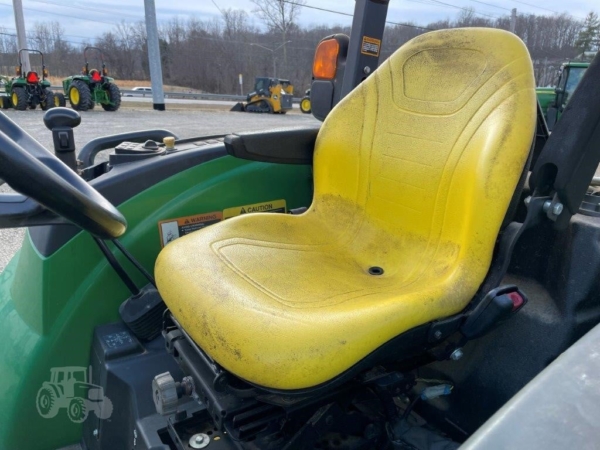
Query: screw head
95	433
437	335
367	70
456	354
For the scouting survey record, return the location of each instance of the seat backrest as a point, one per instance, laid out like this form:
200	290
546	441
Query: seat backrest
423	157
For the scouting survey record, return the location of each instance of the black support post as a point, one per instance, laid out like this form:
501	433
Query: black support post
364	50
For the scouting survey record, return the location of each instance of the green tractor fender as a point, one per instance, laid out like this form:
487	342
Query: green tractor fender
83	78
66	83
69	80
18	82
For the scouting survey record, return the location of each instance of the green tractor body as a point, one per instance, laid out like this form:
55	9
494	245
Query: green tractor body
28	90
553	100
91	87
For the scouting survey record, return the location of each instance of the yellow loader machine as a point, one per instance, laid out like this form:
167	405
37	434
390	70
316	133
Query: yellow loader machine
270	95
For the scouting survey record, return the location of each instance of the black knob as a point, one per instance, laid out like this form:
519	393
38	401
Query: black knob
61	117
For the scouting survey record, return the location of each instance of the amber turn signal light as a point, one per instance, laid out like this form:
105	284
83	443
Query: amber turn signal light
325	63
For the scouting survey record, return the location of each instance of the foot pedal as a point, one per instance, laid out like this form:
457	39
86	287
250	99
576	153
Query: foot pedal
143	313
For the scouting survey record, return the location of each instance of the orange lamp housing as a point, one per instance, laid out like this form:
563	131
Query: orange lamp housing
46	72
105	71
32	77
325	62
18	71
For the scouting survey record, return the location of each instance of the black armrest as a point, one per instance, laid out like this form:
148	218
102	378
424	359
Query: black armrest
283	146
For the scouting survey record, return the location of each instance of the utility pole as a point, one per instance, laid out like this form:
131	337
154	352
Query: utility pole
272	50
154	61
513	20
21	35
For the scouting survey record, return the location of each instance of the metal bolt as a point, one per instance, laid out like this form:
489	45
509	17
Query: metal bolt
200	440
437	335
527	200
546	206
367	70
95	433
557	209
456	354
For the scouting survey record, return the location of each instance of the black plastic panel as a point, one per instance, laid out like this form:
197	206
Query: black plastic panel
321	98
560	273
125	369
284	146
124	182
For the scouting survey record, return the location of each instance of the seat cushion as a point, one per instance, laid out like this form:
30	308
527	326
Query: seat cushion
414	171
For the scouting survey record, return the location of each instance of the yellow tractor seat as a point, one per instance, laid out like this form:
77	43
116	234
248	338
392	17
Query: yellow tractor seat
413	175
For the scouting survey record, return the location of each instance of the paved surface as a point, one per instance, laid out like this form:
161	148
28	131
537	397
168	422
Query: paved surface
183	101
183	122
177	101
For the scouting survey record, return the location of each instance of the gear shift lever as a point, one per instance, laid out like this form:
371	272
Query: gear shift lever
61	122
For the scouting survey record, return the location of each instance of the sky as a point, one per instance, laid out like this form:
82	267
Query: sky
85	19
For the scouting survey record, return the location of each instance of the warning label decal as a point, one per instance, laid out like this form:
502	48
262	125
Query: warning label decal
370	46
274	206
172	229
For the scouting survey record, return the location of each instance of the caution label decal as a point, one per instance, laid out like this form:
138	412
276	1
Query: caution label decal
370	46
274	206
172	229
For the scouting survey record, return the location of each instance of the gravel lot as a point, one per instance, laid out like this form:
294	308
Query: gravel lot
184	122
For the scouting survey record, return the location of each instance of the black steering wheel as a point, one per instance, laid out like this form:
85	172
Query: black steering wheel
38	174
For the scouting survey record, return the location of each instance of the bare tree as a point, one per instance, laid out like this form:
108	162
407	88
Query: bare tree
209	55
279	16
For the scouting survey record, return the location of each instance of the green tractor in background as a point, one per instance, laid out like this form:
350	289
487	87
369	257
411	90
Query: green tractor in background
553	100
28	91
90	87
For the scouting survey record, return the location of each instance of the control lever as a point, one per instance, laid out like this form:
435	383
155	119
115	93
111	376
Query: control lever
61	122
